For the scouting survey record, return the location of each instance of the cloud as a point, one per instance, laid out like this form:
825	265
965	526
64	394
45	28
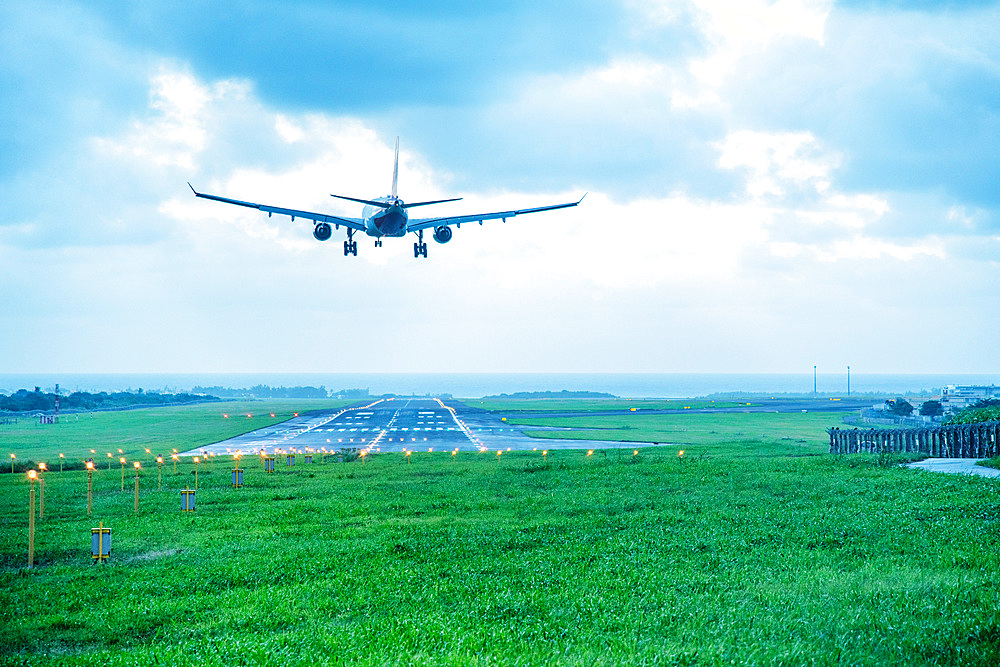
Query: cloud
761	198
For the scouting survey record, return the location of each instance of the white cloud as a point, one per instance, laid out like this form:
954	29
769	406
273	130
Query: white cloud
735	29
787	265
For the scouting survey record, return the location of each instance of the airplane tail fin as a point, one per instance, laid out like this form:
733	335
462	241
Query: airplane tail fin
395	170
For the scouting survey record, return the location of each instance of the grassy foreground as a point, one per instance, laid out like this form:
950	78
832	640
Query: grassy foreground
609	559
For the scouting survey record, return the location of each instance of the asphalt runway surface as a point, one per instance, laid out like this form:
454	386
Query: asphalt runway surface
420	424
392	425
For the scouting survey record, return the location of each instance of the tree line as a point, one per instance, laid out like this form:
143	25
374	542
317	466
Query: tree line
986	410
38	400
265	391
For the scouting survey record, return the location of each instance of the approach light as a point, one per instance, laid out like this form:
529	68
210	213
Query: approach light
90	465
32	475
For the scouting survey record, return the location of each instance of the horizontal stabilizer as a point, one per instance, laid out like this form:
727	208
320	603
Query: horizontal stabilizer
393	202
370	202
436	201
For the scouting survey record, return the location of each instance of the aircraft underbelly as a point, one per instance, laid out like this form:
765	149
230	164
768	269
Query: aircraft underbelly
386	223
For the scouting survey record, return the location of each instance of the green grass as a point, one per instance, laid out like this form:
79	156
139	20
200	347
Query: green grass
752	549
133	431
729	433
609	559
505	405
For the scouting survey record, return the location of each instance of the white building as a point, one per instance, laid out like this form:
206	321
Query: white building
956	397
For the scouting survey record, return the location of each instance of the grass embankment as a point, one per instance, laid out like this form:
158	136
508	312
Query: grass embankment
609	559
159	429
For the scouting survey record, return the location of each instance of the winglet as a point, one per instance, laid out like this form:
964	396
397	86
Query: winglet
192	189
581	198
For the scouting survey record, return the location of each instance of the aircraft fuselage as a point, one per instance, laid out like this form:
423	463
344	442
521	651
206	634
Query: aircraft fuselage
385	221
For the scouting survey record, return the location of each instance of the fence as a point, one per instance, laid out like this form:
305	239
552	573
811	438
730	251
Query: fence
981	441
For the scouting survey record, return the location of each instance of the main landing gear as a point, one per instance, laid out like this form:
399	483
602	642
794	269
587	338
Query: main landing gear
420	248
350	245
378	243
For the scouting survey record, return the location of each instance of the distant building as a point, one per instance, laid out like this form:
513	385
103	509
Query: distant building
957	397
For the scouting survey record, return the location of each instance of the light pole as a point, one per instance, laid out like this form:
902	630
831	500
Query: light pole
159	464
90	487
122	460
61	458
31	520
848	380
41	490
814	380
136	464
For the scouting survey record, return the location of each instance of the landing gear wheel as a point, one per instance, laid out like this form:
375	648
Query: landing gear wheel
378	243
350	248
419	249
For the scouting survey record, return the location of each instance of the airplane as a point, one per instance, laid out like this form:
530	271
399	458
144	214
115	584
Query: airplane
386	216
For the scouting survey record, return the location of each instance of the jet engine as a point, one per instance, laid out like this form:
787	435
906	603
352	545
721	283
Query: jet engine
442	234
322	232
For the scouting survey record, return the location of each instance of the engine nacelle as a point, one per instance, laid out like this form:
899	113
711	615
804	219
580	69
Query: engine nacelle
442	234
322	232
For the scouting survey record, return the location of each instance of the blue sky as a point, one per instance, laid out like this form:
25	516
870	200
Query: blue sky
771	185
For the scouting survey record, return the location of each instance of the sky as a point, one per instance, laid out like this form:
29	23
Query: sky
769	186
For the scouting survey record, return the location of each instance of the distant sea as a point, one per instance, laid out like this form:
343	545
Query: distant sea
474	385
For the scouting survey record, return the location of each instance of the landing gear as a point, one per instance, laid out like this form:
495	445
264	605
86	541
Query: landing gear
378	243
350	245
420	248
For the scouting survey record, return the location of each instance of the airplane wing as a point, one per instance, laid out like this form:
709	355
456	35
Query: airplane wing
354	223
426	223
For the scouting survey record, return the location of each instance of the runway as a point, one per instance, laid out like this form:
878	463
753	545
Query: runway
392	425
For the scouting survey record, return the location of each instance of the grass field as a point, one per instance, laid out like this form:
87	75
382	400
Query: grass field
505	405
133	431
723	557
731	434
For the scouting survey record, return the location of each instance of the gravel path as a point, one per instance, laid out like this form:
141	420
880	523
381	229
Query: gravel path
956	466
